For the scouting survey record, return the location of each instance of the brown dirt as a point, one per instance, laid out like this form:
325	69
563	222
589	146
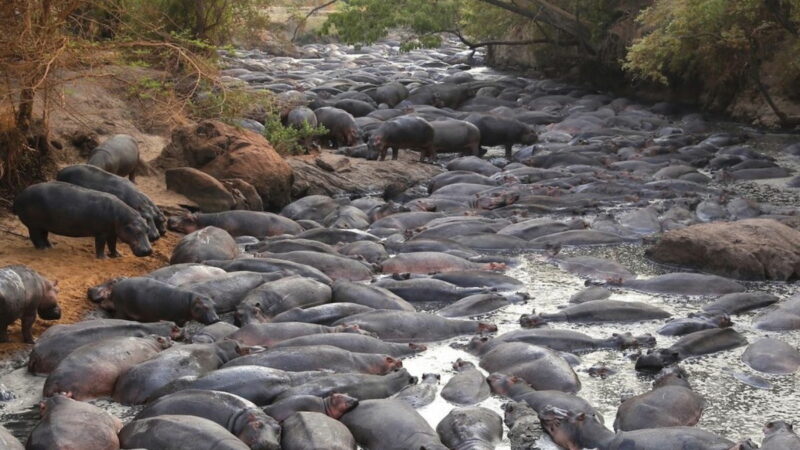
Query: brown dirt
72	262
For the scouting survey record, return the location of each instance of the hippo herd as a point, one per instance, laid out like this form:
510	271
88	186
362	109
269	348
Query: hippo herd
299	329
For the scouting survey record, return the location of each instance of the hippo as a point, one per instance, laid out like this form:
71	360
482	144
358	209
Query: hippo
178	432
271	334
59	341
782	316
589	294
118	154
693	344
473	164
319	357
474	305
695	322
209	243
427	290
407	132
572	430
8	441
268	265
239	416
451	136
147	300
779	435
260	385
772	356
496	130
213	333
518	390
369	295
301	117
577	238
95	178
452	177
683	284
357	343
69	210
493	243
229	290
598	311
523	425
671	403
405	221
406	326
347	217
136	385
541	367
290	245
334	236
311	207
341	126
421	394
448	246
334	405
367	251
390	425
739	303
480	278
356	385
304	430
561	341
24	293
237	223
432	262
335	267
390	93
471	426
468	386
67	423
275	297
180	274
92	370
321	314
594	268
356	108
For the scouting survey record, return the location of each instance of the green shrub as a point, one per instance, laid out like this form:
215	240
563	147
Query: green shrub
288	140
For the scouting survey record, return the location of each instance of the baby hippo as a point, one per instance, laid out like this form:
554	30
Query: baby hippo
23	294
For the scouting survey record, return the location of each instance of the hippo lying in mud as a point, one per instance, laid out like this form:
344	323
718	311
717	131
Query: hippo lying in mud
69	210
694	344
236	223
24	293
67	423
671	403
334	405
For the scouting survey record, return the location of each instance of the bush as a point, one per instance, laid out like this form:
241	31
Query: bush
288	140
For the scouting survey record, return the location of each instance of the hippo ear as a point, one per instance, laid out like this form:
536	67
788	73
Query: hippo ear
580	417
55	283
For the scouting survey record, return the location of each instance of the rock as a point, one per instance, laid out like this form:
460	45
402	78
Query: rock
224	151
208	192
752	249
244	193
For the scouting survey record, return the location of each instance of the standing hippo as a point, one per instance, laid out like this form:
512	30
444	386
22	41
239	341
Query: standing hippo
468	386
147	300
97	179
306	430
451	136
69	210
496	130
334	405
406	326
92	370
390	425
237	223
70	424
209	243
239	416
341	126
24	293
407	132
178	432
671	403
471	427
119	155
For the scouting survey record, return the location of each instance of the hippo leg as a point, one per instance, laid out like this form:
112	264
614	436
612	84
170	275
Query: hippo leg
100	246
508	151
112	246
39	238
132	176
27	324
395	152
4	332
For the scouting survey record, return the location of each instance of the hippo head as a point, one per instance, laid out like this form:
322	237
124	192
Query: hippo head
160	222
336	405
152	232
162	342
260	431
746	444
431	378
625	341
417	348
529	137
513	411
48	304
477	344
532	321
601	371
185	224
496	200
247	313
461	365
564	427
388	364
777	426
134	233
672	376
175	332
486	327
376	144
102	292
656	360
503	384
202	310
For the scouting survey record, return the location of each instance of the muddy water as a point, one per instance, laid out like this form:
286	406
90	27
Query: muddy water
734	409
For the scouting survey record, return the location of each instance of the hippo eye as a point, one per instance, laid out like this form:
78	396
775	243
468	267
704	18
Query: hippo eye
770	425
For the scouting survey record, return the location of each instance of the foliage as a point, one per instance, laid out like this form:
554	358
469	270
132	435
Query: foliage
288	140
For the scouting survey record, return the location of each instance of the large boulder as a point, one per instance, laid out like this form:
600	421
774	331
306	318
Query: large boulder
208	192
227	152
752	249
